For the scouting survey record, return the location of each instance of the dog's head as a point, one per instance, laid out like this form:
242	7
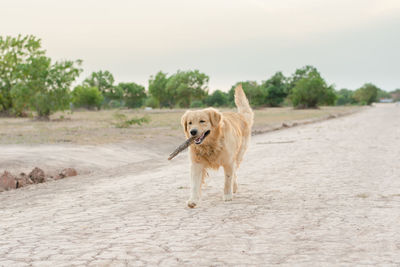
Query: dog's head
201	123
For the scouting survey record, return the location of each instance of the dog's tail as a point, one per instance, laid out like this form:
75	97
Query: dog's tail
243	104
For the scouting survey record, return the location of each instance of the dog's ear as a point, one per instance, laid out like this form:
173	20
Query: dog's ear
184	121
215	116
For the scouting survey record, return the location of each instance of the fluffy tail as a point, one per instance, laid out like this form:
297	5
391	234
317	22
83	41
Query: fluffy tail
243	104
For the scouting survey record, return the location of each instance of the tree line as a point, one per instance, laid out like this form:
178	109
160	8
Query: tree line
31	81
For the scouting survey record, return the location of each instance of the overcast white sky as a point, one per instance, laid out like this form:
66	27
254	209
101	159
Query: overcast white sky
350	42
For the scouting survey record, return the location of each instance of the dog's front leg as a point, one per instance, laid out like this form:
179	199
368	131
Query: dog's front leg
196	179
229	173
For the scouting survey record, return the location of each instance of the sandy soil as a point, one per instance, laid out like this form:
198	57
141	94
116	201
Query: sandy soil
319	194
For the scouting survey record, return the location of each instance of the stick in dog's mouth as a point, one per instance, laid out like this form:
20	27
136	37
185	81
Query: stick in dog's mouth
200	139
187	143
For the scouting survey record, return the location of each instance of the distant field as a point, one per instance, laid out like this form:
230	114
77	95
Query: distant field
98	127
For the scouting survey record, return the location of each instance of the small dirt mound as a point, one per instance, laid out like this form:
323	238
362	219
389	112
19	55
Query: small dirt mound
37	175
23	180
7	181
67	173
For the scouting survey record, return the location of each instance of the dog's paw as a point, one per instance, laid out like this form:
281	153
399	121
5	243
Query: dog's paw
191	203
228	197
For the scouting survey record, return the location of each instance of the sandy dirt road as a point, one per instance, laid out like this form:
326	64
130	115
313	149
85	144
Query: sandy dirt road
315	195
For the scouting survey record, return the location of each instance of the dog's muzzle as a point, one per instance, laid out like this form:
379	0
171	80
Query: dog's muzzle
200	139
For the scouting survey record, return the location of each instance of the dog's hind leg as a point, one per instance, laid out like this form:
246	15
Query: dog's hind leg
204	176
242	150
239	158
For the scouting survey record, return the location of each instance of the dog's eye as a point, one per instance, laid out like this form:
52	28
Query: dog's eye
202	121
190	123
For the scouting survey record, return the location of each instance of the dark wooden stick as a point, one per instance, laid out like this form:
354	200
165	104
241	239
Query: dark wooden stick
182	147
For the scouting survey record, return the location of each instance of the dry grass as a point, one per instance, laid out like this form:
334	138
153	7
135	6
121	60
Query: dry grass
97	127
363	195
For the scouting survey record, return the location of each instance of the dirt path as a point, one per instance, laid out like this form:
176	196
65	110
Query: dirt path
319	194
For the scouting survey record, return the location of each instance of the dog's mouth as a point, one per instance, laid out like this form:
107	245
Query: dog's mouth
200	139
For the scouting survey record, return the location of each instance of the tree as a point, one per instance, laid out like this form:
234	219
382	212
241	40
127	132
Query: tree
330	96
187	86
311	91
104	81
181	88
256	94
158	90
14	55
217	99
298	75
275	89
345	97
366	94
43	86
87	97
134	95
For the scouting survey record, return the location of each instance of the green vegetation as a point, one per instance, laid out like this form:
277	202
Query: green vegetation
311	90
133	95
345	97
254	92
383	94
180	89
276	89
366	94
87	97
123	122
217	99
31	82
104	81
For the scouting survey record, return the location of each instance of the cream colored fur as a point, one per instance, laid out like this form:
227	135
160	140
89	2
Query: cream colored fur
225	146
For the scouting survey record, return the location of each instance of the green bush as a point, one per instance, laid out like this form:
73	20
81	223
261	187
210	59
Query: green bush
133	94
115	104
217	99
196	104
275	89
179	89
151	102
345	97
122	120
87	97
311	91
366	94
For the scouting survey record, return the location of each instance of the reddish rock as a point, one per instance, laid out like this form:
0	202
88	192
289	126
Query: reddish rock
37	175
67	173
7	181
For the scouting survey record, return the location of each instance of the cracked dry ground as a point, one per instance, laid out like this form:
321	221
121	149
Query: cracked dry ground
319	194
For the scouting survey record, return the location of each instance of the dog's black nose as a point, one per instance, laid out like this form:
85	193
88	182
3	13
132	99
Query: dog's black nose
193	132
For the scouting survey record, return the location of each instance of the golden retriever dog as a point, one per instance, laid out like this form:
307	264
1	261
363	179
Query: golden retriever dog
221	139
